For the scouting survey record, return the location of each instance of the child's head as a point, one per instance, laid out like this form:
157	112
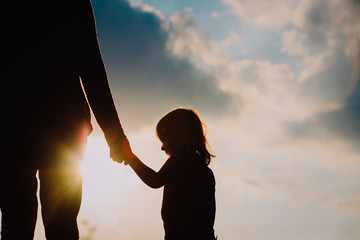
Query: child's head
183	129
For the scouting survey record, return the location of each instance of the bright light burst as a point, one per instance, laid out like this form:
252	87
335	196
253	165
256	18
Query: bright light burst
102	178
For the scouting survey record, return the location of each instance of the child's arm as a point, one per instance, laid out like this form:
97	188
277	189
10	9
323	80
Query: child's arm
146	174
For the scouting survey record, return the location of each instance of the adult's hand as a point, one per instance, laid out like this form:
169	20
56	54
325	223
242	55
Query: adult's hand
122	152
116	152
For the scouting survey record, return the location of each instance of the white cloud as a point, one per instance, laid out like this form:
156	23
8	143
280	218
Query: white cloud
274	14
232	39
323	35
232	45
147	8
188	42
266	91
315	65
292	42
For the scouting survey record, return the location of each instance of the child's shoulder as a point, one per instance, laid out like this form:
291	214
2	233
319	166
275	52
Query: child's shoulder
210	172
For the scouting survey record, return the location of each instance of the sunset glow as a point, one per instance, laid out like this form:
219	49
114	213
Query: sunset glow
277	85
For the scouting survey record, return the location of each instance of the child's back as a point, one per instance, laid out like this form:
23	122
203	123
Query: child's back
189	196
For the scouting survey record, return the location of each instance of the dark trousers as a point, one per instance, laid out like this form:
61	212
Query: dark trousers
54	151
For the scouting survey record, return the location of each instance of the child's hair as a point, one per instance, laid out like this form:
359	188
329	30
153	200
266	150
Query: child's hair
182	128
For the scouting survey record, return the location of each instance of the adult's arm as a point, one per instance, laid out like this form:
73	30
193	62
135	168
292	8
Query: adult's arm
94	79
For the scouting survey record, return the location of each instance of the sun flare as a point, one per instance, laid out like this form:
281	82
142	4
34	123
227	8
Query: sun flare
103	179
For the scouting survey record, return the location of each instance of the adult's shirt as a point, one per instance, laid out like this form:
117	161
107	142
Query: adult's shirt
51	54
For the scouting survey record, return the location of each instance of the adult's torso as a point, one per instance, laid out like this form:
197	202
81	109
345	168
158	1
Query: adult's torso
40	75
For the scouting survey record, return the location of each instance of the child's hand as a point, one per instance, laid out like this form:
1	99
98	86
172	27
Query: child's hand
122	153
127	152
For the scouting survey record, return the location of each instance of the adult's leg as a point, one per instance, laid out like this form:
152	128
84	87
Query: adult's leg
61	183
18	184
191	234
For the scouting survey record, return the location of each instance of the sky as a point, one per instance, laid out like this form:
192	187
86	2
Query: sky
276	83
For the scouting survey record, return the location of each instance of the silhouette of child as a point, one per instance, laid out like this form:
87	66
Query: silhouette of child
188	207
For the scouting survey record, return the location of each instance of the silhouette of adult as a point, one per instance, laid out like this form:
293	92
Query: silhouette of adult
51	56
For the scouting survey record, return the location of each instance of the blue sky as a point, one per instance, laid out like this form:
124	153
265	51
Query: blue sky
276	83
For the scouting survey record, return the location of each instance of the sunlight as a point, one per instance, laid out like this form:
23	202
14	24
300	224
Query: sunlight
113	195
103	179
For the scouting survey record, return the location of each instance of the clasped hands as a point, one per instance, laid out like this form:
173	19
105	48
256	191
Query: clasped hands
122	153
